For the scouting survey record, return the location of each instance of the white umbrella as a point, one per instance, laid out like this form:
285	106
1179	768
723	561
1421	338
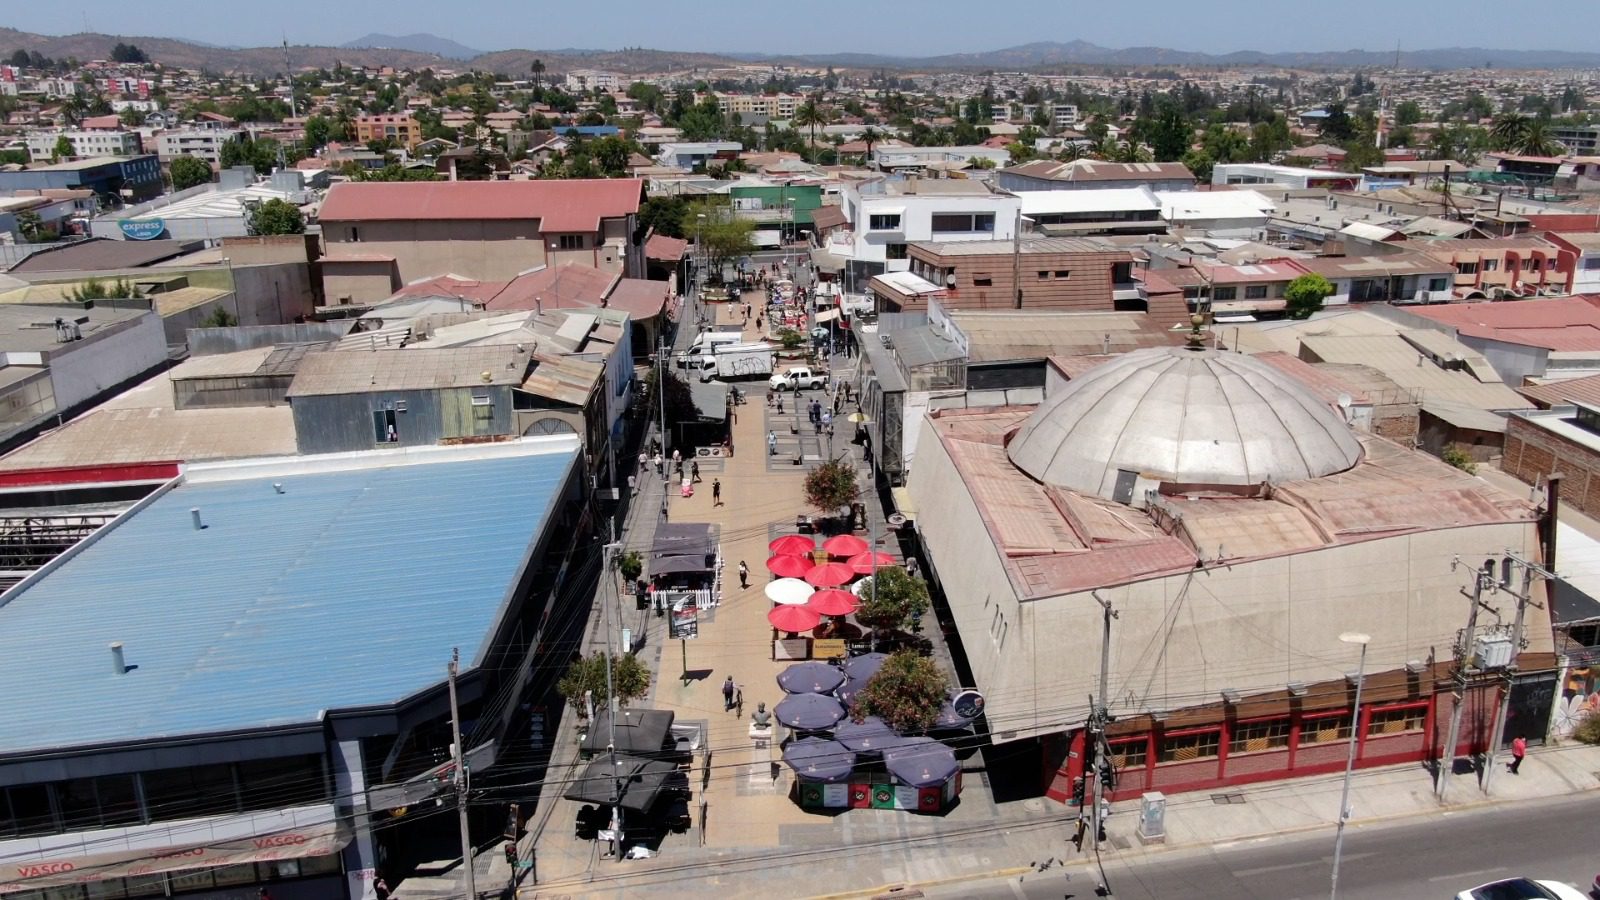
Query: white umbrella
789	591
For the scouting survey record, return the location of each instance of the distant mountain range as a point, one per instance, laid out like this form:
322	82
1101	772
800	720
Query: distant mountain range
420	50
417	43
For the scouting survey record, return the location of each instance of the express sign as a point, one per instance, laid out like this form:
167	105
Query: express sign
142	229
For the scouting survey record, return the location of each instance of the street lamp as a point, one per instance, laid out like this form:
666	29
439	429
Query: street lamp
1349	637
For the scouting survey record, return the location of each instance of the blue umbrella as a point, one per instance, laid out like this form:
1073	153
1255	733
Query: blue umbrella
808	712
816	759
810	678
871	734
864	666
921	762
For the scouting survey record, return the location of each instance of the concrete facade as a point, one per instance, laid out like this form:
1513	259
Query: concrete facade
342	422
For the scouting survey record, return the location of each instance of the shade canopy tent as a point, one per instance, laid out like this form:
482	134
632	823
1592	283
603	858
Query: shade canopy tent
792	545
816	759
810	677
789	591
845	545
788	566
808	712
639	732
864	666
793	618
683	547
830	575
866	563
632	783
832	602
921	762
870	735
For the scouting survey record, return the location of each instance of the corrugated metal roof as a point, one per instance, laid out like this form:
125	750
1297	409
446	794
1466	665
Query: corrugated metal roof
97	254
1555	393
1397	359
564	379
411	369
373	571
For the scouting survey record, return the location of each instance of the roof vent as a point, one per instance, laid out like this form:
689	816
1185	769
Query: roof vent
277	486
194	513
119	664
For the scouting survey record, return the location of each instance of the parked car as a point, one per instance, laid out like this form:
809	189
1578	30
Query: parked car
797	378
1523	888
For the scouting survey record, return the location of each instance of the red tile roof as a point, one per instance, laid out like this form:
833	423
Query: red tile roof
479	292
639	298
666	249
1556	393
1568	323
575	205
561	287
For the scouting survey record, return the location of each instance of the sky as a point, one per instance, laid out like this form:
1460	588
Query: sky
919	28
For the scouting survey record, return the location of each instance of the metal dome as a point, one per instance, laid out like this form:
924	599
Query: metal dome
1193	417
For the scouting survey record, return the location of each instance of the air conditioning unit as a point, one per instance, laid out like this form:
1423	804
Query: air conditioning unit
482	401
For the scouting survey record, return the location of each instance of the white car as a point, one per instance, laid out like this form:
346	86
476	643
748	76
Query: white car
1523	889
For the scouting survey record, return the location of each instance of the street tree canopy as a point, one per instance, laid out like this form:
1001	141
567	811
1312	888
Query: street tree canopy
831	486
1305	294
906	692
896	597
277	217
188	171
630	679
721	236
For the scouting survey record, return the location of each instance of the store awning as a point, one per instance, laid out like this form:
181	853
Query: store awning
639	732
827	315
632	783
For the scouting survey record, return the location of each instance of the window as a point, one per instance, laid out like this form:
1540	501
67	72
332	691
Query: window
570	242
1129	754
1325	729
1491	265
1225	293
355	235
1252	737
1396	721
894	251
286	781
1255	292
1533	265
1062	274
1189	746
883	222
1043	275
1438	284
186	793
982	281
1466	268
385	426
1591	263
962	222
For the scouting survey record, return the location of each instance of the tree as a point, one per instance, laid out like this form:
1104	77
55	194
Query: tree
537	68
318	132
630	566
831	486
128	53
680	405
665	214
1509	131
895	598
219	318
1337	126
62	149
31	226
96	289
586	677
906	692
1537	140
1409	112
810	115
188	171
1200	163
277	217
1171	135
1304	295
722	237
130	116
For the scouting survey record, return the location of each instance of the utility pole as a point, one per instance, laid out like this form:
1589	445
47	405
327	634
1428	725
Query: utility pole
1530	570
661	397
1349	637
461	779
1482	578
1097	727
1016	258
611	711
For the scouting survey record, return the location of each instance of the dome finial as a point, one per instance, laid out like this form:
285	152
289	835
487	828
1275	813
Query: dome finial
1196	339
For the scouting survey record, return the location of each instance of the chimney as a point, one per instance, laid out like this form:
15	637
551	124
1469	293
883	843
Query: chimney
118	663
277	486
194	513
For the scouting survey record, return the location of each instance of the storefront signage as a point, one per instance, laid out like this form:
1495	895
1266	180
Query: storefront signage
142	229
685	620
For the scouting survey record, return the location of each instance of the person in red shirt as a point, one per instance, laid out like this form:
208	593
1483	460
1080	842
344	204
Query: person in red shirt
1519	749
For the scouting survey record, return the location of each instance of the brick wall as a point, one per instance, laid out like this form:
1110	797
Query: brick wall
985	281
1532	454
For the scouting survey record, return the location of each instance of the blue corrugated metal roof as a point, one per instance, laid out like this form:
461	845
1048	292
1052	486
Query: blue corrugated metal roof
346	590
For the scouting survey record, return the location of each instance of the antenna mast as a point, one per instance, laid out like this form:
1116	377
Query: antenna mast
288	76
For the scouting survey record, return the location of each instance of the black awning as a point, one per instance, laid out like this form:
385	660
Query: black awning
1569	605
639	732
636	783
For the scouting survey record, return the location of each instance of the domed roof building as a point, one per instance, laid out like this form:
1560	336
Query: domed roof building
1182	416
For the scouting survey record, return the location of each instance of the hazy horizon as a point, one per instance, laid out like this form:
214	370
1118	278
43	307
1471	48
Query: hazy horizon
828	26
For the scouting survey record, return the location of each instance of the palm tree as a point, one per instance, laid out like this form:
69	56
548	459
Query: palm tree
1509	132
1538	141
870	137
810	114
1071	150
537	68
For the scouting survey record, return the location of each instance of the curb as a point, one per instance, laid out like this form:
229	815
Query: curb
910	886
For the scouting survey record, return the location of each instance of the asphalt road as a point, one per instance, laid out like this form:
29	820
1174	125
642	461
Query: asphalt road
1433	857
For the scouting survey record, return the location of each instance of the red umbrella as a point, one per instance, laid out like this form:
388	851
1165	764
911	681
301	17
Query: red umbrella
833	602
845	545
788	566
830	575
793	618
862	563
792	545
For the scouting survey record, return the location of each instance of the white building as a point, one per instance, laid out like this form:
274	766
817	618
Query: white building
201	143
1231	214
904	157
594	79
887	214
1284	176
687	156
41	146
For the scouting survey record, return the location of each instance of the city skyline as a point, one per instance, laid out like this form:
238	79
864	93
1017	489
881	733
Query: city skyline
944	27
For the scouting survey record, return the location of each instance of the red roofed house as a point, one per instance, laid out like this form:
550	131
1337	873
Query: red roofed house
382	235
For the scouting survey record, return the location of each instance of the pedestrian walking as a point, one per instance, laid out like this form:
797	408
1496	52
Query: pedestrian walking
716	492
827	421
633	485
694	471
677	464
911	566
772	443
727	694
1519	749
744	575
643	461
677	457
659	463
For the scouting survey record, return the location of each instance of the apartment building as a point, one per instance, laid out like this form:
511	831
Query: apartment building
1058	274
401	128
382	235
201	143
42	145
773	106
1505	268
883	217
594	79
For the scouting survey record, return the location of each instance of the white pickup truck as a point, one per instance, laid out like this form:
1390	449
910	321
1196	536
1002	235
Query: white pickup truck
797	378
